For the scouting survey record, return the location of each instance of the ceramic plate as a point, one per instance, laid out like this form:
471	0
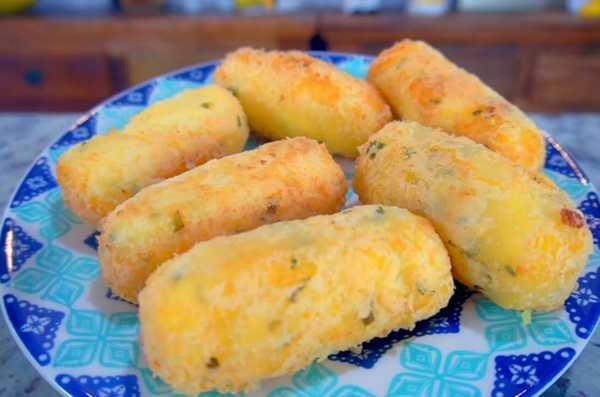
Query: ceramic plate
84	340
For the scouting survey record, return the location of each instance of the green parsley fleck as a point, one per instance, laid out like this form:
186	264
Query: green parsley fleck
441	172
422	290
239	121
380	210
526	317
470	253
294	261
177	221
206	105
510	270
374	147
409	152
477	112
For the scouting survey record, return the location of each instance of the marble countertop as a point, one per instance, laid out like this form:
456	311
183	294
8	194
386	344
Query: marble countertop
24	135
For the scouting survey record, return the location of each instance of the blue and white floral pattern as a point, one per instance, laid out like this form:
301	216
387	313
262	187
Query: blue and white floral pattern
505	331
139	96
428	373
94	336
584	296
57	275
318	381
591	209
50	213
517	375
197	75
584	304
84	339
156	386
35	325
38	180
99	386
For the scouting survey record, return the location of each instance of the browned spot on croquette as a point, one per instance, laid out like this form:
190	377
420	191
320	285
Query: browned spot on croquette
571	218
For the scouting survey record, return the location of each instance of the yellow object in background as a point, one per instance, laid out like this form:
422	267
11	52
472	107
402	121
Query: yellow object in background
236	310
591	9
240	4
14	6
514	236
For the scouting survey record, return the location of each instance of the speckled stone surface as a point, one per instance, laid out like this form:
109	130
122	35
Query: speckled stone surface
24	135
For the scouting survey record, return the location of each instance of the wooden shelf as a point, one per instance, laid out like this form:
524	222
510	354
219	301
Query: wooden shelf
543	61
134	49
468	28
27	35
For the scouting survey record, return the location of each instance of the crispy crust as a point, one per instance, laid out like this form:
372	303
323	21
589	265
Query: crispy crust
239	309
290	179
164	140
422	85
291	93
515	236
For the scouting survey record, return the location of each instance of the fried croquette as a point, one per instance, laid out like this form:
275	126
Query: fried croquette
288	94
422	85
284	180
512	235
164	140
239	309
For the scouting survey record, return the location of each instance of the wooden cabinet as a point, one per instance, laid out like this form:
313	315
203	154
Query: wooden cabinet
565	78
71	64
541	61
49	82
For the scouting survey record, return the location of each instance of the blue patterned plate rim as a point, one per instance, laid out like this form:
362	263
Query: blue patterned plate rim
562	335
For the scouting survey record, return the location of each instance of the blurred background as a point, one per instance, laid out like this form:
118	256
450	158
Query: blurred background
67	55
